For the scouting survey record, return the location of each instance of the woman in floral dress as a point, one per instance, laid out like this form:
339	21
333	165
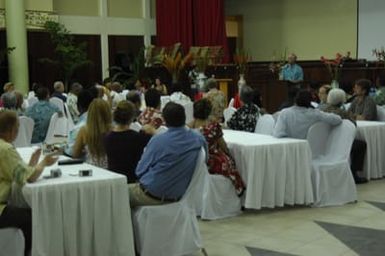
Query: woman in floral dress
220	161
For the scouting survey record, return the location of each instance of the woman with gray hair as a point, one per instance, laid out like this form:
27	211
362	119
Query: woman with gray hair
246	117
335	100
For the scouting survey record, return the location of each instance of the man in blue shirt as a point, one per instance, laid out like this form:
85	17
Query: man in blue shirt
167	165
41	113
292	72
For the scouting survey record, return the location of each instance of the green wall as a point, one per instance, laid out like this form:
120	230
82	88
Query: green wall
310	28
76	7
36	5
125	8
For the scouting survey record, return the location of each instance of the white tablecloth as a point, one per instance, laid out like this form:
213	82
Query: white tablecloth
276	171
374	134
75	215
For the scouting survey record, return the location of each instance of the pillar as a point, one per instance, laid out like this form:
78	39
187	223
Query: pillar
17	37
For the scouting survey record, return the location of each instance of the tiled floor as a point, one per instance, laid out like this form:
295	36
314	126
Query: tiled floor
353	229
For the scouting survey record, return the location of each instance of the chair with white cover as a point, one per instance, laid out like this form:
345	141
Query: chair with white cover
332	179
58	127
24	136
317	137
231	103
276	115
265	124
135	126
11	242
57	102
171	229
220	199
189	110
70	123
32	100
228	113
161	129
381	113
163	101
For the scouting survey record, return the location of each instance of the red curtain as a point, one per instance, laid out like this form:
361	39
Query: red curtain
191	22
174	22
209	24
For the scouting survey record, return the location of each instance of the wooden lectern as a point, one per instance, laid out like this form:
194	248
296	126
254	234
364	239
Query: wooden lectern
224	86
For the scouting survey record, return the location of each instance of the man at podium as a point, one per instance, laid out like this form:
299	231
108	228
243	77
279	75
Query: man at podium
292	72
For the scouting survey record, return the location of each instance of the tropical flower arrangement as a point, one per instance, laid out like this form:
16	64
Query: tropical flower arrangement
276	66
175	65
379	53
241	58
333	65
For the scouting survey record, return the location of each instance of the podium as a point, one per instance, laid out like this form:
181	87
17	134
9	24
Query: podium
224	86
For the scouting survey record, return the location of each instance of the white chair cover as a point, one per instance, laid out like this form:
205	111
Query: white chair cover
57	102
220	199
32	100
231	103
276	115
332	179
58	127
265	124
317	137
171	229
24	136
228	113
11	242
70	123
163	101
136	126
161	129
189	110
380	113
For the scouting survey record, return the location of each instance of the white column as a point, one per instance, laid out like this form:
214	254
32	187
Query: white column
103	13
17	37
146	7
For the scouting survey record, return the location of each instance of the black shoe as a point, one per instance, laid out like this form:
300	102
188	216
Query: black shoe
360	180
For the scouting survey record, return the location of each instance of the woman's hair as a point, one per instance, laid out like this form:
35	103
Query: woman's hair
202	109
365	84
247	94
152	98
98	123
336	97
124	112
134	97
9	100
303	98
8	120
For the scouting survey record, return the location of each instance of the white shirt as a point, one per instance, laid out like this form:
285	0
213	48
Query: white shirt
295	121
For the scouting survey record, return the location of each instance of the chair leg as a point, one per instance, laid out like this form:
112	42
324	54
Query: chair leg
204	252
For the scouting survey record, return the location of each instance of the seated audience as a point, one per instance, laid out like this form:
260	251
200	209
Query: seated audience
220	161
89	141
84	100
72	101
115	90
58	88
177	96
124	147
167	165
41	113
323	95
134	98
295	121
379	98
335	100
246	117
14	170
160	86
363	106
217	99
151	115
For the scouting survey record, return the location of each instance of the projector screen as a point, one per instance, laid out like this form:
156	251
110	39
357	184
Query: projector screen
371	33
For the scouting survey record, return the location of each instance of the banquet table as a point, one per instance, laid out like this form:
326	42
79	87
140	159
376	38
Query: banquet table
277	171
373	133
74	215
